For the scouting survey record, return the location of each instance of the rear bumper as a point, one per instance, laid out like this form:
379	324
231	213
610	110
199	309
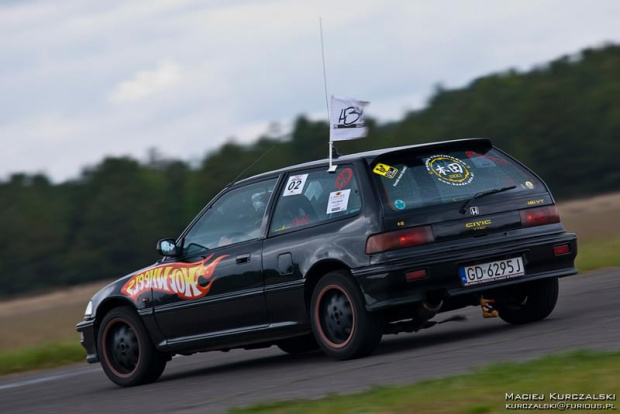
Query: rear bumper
384	285
86	329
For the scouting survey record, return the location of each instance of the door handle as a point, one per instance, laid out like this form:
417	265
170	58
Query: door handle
243	258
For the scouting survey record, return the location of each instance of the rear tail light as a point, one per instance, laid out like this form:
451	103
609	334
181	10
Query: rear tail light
561	249
398	239
416	275
539	216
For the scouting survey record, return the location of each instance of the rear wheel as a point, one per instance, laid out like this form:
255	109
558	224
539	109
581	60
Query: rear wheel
342	326
532	302
127	354
299	344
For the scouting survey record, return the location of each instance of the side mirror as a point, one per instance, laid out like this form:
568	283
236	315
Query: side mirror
167	248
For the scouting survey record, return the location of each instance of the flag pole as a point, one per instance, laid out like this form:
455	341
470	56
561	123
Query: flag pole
332	168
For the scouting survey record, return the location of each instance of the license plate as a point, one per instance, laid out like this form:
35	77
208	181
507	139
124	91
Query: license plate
489	272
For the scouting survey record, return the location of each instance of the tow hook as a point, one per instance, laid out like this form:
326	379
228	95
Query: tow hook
487	308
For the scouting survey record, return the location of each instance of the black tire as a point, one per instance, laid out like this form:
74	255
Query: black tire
298	344
127	354
533	302
341	325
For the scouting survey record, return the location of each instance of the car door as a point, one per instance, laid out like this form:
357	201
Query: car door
317	217
216	285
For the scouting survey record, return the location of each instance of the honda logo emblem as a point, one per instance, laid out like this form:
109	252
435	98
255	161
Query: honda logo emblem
474	211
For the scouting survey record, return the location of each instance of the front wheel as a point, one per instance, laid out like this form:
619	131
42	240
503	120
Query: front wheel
127	354
342	326
530	303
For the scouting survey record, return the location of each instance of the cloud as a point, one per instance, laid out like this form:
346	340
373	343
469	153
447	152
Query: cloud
145	83
82	79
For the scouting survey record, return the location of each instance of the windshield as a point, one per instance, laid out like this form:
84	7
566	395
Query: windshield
411	181
234	218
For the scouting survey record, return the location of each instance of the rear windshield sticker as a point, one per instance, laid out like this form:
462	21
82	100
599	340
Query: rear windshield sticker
295	185
529	185
400	204
385	170
338	201
400	176
344	178
449	170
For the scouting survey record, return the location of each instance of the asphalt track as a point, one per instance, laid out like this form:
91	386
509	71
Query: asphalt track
587	316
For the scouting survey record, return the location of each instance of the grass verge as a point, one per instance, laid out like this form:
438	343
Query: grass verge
44	356
483	391
598	254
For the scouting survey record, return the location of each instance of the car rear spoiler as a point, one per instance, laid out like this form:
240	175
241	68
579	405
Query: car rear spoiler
442	145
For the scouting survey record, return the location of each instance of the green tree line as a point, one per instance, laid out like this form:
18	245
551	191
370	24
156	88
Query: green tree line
562	119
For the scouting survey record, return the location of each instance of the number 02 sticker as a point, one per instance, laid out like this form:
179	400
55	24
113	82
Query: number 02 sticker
295	185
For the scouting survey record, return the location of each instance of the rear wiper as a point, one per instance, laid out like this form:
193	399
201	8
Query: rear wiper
463	208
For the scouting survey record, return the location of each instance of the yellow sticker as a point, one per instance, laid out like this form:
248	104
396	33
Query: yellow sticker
479	225
449	169
385	170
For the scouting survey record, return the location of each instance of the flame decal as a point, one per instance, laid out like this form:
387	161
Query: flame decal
186	280
206	272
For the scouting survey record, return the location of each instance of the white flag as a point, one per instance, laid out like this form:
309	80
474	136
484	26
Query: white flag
347	119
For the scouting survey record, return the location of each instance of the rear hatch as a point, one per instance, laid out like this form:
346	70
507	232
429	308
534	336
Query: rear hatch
455	190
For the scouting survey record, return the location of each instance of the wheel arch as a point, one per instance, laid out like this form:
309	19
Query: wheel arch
316	272
108	304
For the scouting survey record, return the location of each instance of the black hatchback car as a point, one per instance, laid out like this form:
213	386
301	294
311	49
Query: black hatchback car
303	259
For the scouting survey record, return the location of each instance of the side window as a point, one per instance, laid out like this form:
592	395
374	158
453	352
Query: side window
234	218
317	196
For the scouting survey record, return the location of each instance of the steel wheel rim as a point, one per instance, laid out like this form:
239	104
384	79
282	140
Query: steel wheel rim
336	316
121	347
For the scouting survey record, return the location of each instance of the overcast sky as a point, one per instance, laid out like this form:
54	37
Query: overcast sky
83	79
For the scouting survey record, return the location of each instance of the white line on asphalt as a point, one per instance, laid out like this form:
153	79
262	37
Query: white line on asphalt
46	379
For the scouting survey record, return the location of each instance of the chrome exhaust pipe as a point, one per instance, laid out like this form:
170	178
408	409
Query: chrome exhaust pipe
433	307
426	309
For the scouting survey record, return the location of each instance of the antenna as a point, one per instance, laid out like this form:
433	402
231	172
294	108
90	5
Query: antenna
332	168
252	165
324	70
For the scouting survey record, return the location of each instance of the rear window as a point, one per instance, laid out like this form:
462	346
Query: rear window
411	181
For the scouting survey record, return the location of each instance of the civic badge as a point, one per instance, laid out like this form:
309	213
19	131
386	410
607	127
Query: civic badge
474	211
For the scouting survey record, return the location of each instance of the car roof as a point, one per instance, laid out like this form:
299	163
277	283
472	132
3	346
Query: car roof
369	156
